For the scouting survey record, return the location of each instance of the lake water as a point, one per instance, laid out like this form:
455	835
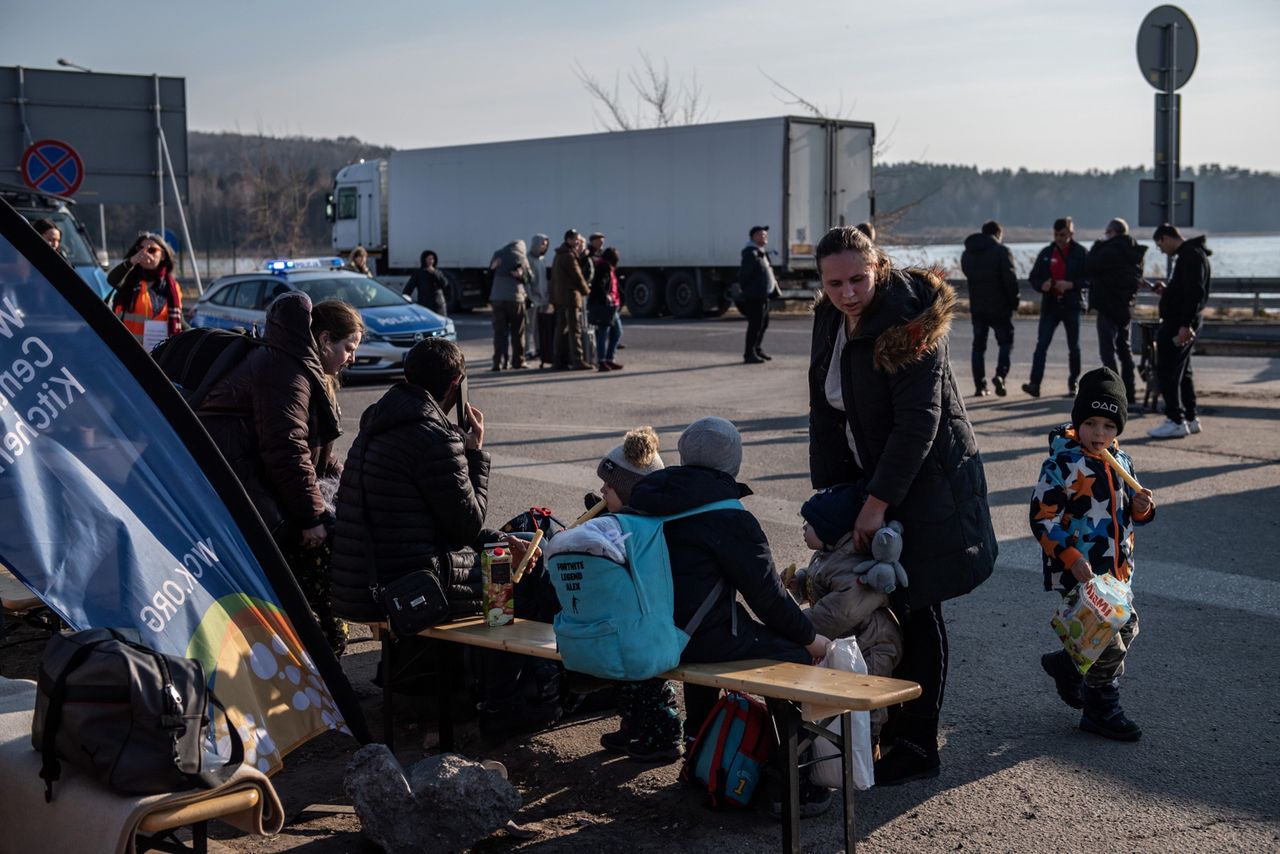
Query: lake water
1232	256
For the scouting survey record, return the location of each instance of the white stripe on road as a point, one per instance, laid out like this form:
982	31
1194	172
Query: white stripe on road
1183	582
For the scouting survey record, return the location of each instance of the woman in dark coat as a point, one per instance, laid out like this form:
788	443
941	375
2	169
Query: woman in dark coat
884	409
275	418
430	283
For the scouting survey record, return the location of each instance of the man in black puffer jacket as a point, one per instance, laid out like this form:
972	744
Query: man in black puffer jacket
993	298
1115	272
425	485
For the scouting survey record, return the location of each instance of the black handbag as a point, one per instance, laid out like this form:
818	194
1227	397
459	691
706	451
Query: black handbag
600	313
131	718
413	602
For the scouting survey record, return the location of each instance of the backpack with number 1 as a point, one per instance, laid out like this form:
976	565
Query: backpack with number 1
731	751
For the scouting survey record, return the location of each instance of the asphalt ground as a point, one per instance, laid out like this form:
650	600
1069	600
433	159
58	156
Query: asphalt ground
1017	774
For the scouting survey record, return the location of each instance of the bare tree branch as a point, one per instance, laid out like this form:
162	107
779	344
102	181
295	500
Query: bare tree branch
660	102
610	99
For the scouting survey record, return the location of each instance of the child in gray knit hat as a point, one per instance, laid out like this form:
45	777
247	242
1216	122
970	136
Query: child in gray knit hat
651	729
624	466
712	443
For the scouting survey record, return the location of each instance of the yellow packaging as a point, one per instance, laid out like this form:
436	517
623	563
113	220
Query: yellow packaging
1090	616
499	591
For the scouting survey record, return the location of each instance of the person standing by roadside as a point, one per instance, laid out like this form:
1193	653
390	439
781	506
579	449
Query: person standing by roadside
757	283
359	262
568	287
1060	274
1182	302
993	298
1115	272
146	291
603	309
510	266
430	284
537	342
588	258
885	411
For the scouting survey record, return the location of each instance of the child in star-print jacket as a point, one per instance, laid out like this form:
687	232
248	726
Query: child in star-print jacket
1083	515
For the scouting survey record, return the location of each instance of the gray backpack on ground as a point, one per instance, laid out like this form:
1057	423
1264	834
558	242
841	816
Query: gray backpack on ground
131	718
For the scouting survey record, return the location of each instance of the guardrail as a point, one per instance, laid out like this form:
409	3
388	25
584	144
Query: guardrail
1260	295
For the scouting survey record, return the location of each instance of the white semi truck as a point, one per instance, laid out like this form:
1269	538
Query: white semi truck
676	202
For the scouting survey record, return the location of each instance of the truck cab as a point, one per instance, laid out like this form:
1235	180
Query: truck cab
77	249
358	210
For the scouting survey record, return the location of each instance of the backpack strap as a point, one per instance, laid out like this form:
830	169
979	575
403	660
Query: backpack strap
215	777
726	504
728	712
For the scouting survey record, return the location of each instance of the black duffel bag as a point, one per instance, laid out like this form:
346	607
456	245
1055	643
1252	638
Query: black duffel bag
131	718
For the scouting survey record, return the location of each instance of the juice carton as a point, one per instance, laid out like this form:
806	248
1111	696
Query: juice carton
499	591
1090	616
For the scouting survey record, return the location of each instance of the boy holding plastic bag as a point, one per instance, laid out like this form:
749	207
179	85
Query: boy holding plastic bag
1083	514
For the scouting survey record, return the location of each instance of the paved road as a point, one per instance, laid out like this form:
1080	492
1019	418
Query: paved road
1017	775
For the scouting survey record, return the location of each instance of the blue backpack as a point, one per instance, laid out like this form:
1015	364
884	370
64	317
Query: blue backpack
617	621
730	752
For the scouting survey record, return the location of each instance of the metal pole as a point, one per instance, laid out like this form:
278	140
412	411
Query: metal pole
102	221
1171	96
182	214
159	152
22	105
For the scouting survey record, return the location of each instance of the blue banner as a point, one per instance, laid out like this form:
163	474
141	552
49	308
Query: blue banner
119	512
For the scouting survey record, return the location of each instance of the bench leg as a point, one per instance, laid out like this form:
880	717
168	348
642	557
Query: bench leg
450	658
846	767
388	721
787	716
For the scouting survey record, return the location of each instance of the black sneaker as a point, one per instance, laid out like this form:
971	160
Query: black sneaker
644	751
1065	677
763	355
1033	390
998	382
617	742
752	359
1072	388
814	801
1117	727
907	761
981	391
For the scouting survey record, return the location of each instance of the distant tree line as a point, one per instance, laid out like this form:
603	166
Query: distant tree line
938	199
264	195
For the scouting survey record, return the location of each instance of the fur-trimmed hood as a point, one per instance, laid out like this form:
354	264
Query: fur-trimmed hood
910	315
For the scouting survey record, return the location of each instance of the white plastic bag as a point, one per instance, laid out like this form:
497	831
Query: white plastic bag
843	654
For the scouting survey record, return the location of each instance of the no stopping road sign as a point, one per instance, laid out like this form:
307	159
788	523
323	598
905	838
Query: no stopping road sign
52	166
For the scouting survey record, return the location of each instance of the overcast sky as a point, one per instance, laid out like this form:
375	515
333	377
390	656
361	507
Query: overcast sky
996	83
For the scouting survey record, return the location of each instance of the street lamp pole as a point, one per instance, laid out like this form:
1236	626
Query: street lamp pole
66	63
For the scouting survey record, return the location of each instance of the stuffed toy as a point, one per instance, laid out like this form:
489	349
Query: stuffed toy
883	572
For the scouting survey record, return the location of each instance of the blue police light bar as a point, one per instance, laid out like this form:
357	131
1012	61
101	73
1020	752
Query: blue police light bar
281	265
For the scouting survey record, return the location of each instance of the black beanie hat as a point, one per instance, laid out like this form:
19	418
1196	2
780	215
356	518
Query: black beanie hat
1101	393
833	511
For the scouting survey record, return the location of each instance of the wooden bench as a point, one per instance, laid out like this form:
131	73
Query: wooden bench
789	688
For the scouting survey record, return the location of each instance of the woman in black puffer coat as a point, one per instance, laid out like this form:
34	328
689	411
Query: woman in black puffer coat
884	409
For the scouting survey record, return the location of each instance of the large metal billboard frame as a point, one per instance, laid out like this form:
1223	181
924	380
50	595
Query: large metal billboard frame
116	122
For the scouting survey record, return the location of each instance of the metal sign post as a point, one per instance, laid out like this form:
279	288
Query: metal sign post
1167	53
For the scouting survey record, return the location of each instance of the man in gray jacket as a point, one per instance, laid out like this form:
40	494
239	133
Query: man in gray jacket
511	271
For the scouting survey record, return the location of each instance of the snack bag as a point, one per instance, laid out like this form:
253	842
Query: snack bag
1090	616
499	591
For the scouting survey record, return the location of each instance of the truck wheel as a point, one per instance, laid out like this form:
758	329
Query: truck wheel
682	295
722	305
644	297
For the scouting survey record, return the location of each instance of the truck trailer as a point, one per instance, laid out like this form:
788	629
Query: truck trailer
676	202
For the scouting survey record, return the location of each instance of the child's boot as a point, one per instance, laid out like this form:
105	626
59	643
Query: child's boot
1103	715
628	714
1065	676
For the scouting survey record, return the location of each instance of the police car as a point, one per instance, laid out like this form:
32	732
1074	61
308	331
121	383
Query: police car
392	324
